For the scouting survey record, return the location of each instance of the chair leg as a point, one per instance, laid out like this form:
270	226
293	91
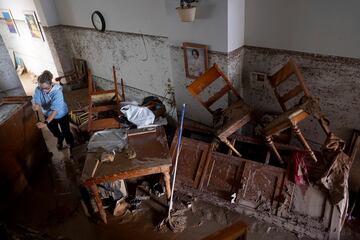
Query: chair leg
301	138
271	144
226	141
232	144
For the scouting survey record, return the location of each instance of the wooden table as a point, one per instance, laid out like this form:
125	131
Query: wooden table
152	157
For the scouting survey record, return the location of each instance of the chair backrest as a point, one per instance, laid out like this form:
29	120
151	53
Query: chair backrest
202	82
80	68
113	93
102	101
289	69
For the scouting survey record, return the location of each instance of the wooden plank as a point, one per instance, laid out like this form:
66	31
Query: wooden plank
292	93
222	177
105	123
98	202
201	166
217	96
260	141
104	108
282	74
261	180
206	167
101	92
141	131
127	174
191	162
203	81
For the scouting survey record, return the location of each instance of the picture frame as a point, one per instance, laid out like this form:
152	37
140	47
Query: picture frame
196	59
9	20
33	25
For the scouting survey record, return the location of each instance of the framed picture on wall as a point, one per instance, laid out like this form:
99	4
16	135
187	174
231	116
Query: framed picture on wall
196	59
33	24
9	20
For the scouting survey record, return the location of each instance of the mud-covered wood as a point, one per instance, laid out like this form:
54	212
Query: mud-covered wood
292	115
260	184
236	231
96	123
22	148
259	187
232	117
193	157
223	176
152	157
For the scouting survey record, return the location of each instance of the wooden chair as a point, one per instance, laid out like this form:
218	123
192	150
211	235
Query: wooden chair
102	101
233	117
292	115
77	78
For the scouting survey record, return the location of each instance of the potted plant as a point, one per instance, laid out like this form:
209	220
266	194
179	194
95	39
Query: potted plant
186	11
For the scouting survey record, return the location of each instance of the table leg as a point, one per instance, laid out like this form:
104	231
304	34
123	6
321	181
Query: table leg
167	183
99	205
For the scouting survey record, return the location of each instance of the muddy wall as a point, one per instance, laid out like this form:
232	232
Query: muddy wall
142	61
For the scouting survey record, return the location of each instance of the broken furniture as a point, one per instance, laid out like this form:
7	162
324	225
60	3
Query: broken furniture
76	78
291	115
226	121
22	146
105	102
260	189
77	101
236	231
152	157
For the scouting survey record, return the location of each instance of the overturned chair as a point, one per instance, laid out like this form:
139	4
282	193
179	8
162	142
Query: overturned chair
299	111
104	102
226	121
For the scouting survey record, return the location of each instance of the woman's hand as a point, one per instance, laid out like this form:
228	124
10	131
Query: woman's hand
36	107
40	125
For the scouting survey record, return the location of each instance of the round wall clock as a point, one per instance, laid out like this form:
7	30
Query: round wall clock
98	21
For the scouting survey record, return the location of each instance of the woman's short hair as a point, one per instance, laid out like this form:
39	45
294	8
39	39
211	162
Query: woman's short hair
45	77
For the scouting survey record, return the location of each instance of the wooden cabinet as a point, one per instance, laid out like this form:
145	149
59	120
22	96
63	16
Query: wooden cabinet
22	147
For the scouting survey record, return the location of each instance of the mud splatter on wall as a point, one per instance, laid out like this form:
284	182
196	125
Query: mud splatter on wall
334	80
143	61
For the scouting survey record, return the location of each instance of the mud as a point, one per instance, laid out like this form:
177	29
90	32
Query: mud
50	209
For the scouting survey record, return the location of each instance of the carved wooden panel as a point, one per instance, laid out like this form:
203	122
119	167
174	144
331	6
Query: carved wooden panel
223	175
261	185
191	161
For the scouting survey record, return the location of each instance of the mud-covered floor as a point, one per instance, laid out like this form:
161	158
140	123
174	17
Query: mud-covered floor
50	208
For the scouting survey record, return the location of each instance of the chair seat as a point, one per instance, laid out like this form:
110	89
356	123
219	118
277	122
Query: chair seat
284	120
232	118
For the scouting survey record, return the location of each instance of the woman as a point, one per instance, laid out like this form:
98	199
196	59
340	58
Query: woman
50	99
